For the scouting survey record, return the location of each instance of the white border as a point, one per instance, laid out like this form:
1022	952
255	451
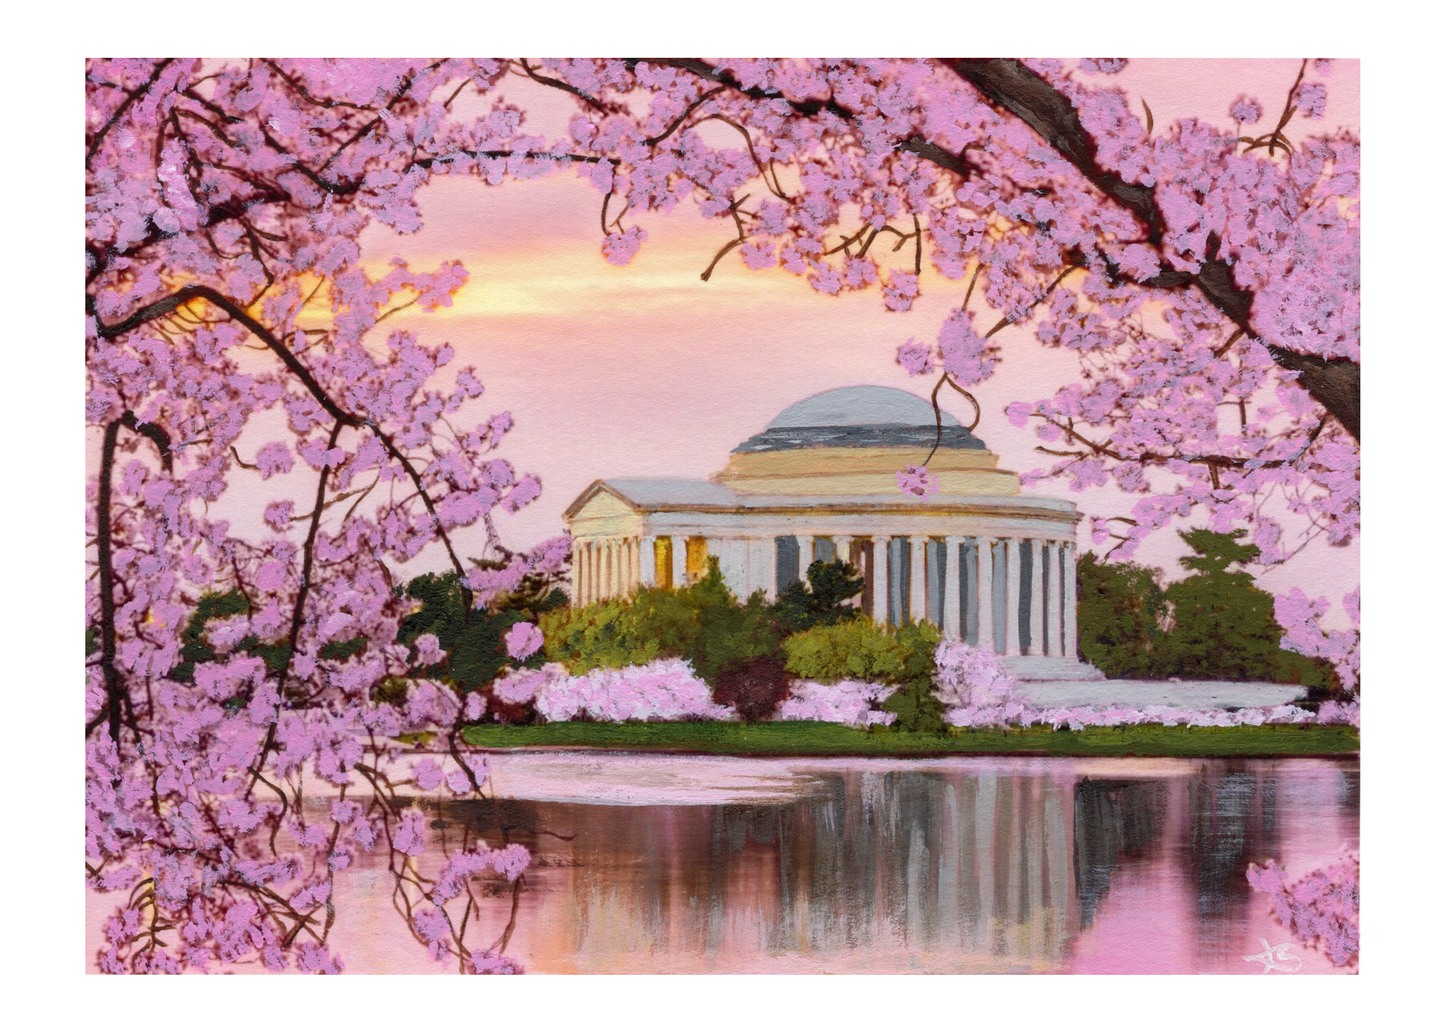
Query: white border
46	444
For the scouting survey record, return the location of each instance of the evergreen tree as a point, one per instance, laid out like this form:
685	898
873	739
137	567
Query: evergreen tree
821	600
1223	625
1121	617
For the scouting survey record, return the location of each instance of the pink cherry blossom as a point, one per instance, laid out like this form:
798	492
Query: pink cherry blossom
522	640
916	480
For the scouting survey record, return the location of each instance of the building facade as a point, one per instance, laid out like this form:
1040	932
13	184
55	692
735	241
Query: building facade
980	560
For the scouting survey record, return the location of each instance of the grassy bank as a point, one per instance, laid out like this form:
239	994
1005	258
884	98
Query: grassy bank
805	738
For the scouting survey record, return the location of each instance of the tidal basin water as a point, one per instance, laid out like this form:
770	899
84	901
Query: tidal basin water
662	864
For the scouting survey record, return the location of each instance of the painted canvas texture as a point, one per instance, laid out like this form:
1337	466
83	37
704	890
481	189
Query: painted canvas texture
722	516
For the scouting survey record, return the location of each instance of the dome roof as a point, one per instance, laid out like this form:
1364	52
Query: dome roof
860	417
860	406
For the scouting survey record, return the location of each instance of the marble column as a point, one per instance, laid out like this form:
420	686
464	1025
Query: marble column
805	556
1011	596
1071	602
763	562
733	562
1056	599
984	580
647	568
918	578
879	574
679	561
1037	636
590	593
952	619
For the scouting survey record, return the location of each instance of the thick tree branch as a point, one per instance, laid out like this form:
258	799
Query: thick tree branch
1333	383
185	295
130	98
114	685
806	108
1009	84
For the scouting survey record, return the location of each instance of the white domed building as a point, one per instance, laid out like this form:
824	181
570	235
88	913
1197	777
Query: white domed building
977	558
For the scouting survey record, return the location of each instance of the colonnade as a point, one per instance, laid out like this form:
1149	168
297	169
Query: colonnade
1015	595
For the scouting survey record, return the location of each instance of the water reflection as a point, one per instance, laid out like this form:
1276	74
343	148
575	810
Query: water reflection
970	865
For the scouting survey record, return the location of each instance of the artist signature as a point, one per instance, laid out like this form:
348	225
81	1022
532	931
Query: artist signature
1277	958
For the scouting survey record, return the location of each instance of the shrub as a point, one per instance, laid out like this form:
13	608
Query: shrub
702	623
754	686
654	623
473	640
664	690
603	634
847	702
965	676
730	634
915	704
853	650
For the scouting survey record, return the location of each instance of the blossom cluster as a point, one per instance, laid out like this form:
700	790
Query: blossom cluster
854	703
1300	616
665	689
1019	713
967	676
1321	909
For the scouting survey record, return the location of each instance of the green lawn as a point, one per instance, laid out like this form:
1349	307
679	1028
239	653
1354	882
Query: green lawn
806	738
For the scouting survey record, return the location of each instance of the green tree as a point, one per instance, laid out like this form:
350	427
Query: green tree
731	634
821	600
1223	625
1215	624
1122	611
472	638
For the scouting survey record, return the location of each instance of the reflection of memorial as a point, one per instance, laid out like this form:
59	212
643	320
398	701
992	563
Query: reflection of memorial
878	871
977	558
989	866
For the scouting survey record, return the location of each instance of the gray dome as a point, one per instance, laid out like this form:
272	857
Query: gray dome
860	417
861	406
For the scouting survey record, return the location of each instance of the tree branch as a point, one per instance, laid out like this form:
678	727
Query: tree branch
1333	383
130	98
343	418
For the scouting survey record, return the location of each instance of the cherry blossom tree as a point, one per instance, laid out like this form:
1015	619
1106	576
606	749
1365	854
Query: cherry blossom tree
1206	276
224	284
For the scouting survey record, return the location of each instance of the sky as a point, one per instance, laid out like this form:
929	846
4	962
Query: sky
645	370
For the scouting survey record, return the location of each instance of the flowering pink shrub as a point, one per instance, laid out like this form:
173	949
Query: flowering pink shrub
1016	713
965	676
665	689
847	702
1322	909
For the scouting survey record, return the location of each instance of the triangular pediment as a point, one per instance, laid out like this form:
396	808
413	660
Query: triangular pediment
599	501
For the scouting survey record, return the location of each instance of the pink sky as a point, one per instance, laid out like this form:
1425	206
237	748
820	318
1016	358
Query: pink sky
646	370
